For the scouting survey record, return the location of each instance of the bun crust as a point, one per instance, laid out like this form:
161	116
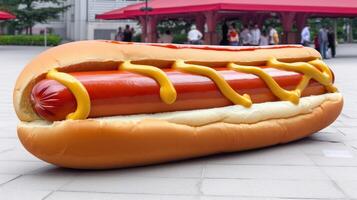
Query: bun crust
105	55
94	144
102	144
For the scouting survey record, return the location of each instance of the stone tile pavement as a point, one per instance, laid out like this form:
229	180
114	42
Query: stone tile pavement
323	166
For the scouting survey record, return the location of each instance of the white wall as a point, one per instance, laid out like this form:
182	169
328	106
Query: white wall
80	20
101	6
79	23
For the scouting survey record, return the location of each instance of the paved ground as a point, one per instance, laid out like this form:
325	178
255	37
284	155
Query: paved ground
323	166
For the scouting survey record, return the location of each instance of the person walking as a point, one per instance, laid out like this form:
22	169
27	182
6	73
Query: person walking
264	39
194	36
132	31
245	36
273	36
255	32
306	36
233	36
331	41
119	35
323	41
128	34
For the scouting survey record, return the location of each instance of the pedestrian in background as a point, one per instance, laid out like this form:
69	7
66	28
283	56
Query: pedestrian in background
323	41
255	32
273	36
306	36
316	43
119	35
332	41
166	38
194	36
264	39
233	35
128	34
245	36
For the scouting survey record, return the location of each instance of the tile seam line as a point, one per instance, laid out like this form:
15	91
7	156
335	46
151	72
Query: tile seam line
202	177
194	195
16	177
131	193
335	185
48	195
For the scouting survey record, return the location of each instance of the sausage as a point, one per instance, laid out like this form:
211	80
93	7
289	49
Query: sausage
124	93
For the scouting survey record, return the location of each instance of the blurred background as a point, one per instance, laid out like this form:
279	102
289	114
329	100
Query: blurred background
72	20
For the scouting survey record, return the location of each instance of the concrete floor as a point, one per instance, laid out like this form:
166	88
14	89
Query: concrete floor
323	166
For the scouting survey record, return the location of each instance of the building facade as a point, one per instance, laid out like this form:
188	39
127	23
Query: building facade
79	23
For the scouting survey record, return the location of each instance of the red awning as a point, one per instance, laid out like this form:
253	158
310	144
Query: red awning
119	13
328	7
5	15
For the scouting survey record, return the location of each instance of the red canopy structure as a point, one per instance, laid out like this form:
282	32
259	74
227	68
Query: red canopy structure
210	12
5	15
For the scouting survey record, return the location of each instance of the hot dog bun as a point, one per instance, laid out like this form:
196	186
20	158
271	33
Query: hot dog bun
122	141
100	144
105	55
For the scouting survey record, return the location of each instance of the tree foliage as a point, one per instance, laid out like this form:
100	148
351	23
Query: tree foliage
30	12
176	26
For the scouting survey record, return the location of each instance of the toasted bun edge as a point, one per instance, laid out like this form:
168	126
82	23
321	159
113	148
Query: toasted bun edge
91	144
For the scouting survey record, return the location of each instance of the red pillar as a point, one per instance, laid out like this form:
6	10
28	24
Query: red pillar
287	19
301	21
245	19
211	34
149	30
143	29
152	29
200	23
260	19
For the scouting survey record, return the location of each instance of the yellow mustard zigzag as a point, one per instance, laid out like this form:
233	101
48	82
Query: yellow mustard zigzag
77	89
278	91
167	90
315	69
222	84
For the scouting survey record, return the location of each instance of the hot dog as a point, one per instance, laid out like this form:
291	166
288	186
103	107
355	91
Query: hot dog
123	104
118	93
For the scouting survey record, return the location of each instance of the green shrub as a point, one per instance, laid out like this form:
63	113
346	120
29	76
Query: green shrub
179	39
137	38
31	40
